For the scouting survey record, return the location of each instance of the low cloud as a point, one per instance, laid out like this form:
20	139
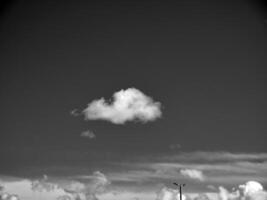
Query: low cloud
87	186
231	169
128	105
6	196
43	185
88	134
251	190
69	188
93	187
193	174
169	194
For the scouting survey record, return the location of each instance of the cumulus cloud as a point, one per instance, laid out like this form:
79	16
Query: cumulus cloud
251	187
193	174
251	190
88	134
98	183
43	185
6	196
88	186
224	194
169	194
93	187
72	188
128	105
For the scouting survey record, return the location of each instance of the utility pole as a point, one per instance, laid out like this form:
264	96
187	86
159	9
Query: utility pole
180	188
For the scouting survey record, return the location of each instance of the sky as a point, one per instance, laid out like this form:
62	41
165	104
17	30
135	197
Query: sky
119	99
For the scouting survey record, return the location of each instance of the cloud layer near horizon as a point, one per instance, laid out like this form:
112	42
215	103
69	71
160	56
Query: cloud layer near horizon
69	188
251	190
128	105
142	178
216	168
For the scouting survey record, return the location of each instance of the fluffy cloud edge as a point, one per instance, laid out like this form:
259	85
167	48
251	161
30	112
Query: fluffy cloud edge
250	190
128	105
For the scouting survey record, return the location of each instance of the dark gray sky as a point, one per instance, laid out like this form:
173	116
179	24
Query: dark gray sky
205	61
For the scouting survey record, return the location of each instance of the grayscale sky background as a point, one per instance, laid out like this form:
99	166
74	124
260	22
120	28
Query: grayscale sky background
204	61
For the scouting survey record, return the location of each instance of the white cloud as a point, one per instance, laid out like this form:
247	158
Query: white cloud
128	105
88	134
6	196
98	182
43	185
253	190
93	187
224	194
249	191
193	174
169	194
251	187
69	188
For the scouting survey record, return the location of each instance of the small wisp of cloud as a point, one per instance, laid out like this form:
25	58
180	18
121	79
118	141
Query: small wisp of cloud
193	174
128	105
88	134
75	112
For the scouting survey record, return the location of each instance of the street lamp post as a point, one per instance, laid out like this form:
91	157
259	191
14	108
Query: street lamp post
180	188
